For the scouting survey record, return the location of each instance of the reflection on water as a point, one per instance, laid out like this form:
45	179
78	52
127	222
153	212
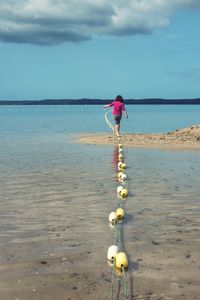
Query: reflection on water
115	158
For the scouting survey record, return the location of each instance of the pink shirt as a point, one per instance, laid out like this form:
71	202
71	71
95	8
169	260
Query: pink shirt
118	107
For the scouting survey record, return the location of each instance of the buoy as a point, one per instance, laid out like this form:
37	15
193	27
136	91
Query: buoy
112	217
123	166
120	157
110	263
123	176
120	146
120	150
124	193
119	175
119	189
112	225
120	213
119	165
112	251
121	260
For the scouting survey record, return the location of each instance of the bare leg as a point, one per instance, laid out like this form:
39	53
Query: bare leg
117	126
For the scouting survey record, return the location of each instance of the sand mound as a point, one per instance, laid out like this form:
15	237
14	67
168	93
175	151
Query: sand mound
187	134
185	138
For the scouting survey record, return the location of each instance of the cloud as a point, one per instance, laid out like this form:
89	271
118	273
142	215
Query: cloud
51	22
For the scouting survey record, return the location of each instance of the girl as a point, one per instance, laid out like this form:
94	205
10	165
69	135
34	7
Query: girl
117	112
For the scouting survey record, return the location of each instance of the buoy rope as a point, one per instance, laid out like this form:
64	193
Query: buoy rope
118	240
124	282
120	204
112	282
107	120
118	229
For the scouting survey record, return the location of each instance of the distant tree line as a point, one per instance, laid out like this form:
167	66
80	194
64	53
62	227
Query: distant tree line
85	101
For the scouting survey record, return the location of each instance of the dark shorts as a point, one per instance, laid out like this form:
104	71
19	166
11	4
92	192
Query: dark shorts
117	119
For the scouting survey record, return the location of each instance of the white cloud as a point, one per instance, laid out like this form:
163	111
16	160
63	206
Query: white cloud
49	22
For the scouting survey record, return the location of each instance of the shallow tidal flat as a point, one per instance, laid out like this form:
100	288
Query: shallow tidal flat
55	232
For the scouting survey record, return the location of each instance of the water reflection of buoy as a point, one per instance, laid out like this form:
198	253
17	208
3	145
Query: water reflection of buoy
112	251
121	260
120	213
124	193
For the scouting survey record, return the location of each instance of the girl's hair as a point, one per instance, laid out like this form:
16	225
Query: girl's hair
119	98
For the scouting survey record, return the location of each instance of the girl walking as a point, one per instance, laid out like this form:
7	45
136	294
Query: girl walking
118	108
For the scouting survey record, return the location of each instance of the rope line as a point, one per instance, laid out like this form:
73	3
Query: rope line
112	282
118	234
124	282
108	122
118	240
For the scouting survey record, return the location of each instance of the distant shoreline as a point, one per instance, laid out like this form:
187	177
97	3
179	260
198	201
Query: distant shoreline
86	101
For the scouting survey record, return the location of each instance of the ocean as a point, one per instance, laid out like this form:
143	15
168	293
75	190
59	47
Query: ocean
56	196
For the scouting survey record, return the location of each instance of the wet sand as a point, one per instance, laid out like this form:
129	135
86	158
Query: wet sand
186	138
55	232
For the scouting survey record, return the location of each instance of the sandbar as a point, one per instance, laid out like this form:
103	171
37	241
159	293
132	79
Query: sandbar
184	138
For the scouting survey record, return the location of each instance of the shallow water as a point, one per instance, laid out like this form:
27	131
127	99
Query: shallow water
56	197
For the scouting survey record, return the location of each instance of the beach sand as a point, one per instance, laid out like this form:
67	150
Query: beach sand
186	138
58	248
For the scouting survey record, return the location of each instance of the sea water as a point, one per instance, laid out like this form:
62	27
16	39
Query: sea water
56	195
38	153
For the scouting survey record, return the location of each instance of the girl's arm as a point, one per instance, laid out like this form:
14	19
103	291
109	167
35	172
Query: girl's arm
109	105
126	114
124	111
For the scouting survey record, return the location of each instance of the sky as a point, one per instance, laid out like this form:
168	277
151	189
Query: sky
71	49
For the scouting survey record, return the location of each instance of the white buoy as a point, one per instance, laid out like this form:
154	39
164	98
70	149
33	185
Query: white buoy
123	177
112	217
119	189
112	225
112	252
120	165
